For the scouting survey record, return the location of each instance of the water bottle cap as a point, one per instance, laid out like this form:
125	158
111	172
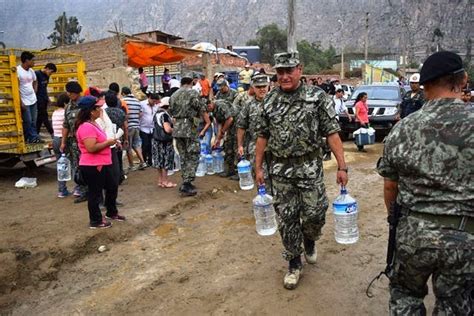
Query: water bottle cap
262	190
343	190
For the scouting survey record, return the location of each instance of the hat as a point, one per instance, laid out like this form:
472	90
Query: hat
247	65
93	91
286	60
222	82
415	78
165	102
87	103
440	64
195	76
73	87
260	81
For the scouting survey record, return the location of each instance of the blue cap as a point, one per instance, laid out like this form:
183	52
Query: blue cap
87	102
262	190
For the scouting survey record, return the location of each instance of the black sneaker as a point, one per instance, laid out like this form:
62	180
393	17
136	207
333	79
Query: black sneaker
80	199
103	224
187	190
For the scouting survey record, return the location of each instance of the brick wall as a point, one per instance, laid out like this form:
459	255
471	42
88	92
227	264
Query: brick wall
102	54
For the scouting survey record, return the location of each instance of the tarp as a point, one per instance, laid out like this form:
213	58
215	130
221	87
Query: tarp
143	54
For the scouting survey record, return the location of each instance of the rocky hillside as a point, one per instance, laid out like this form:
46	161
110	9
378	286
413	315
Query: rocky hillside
395	26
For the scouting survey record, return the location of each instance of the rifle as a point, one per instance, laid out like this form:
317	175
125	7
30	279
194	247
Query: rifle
392	219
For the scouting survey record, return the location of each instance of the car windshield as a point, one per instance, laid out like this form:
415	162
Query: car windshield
378	93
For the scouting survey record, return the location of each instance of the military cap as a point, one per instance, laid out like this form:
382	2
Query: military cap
260	80
440	64
286	60
222	82
190	76
73	87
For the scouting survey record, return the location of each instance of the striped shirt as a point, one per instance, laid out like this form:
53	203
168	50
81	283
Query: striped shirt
134	110
58	119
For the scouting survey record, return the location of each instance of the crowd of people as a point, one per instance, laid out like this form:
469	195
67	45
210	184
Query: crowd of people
278	124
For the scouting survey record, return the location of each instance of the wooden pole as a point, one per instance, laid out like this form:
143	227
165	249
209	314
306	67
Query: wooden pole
291	27
366	50
154	79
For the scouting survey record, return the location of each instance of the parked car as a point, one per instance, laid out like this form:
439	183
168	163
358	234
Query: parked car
383	101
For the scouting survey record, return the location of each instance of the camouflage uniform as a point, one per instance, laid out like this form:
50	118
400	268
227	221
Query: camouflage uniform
72	147
241	99
411	104
185	107
431	156
228	96
293	123
222	112
247	119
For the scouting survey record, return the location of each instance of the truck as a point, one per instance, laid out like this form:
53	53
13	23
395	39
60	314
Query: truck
13	148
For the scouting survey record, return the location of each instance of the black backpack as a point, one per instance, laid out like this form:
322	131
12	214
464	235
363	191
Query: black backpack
159	132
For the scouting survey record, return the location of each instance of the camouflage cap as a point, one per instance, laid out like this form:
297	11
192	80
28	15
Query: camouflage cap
286	60
260	80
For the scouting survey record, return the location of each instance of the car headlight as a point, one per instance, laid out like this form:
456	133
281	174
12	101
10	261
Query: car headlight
391	111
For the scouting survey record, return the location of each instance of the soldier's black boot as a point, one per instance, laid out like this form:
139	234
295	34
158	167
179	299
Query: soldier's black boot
292	277
310	251
187	190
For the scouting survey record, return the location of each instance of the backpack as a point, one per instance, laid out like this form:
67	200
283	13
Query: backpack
159	132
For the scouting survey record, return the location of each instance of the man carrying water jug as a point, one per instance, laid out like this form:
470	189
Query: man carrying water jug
294	119
428	168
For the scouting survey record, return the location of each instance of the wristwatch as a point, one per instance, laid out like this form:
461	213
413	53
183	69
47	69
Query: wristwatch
346	170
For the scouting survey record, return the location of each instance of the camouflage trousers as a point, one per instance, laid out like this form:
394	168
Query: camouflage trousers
230	149
188	149
74	155
425	249
301	206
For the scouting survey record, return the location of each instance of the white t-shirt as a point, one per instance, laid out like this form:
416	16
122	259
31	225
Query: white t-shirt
339	105
197	87
26	77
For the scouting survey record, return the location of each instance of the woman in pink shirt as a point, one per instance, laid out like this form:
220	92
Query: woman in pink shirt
361	113
95	163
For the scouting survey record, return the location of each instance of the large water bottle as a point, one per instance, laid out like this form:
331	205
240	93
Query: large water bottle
201	169
244	168
264	212
209	164
64	168
218	160
345	216
203	145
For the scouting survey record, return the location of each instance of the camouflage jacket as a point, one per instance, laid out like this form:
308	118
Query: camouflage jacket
248	118
293	123
223	111
70	115
411	104
431	156
229	96
185	106
241	99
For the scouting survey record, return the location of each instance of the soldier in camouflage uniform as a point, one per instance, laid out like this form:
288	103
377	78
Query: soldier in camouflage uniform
412	100
293	120
185	107
243	97
248	117
428	165
69	142
225	92
225	115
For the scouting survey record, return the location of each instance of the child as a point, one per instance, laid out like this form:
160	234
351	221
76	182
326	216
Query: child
58	118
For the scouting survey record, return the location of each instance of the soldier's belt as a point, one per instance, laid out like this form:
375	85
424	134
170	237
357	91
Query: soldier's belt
462	223
296	160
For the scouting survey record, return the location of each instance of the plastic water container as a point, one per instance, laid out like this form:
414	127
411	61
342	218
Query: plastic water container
264	212
209	164
177	161
345	216
63	166
203	145
218	160
201	169
244	168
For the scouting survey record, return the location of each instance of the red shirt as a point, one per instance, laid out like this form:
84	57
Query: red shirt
363	112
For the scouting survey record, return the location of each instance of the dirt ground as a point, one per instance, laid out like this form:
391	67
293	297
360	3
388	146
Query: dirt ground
175	256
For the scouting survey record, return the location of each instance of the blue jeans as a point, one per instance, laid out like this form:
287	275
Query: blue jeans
29	116
57	152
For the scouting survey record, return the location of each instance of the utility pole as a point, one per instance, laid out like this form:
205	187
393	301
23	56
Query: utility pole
62	28
366	51
217	54
342	48
291	27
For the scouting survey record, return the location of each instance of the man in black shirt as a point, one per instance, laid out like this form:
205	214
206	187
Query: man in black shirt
42	77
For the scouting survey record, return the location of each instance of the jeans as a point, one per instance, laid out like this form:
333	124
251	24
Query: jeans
57	152
29	116
96	182
146	147
43	118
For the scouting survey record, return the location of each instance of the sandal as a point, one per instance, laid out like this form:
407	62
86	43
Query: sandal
161	185
169	185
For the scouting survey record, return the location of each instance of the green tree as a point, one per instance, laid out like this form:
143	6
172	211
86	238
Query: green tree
66	31
271	40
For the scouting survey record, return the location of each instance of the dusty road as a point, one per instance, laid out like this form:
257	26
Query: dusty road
178	256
